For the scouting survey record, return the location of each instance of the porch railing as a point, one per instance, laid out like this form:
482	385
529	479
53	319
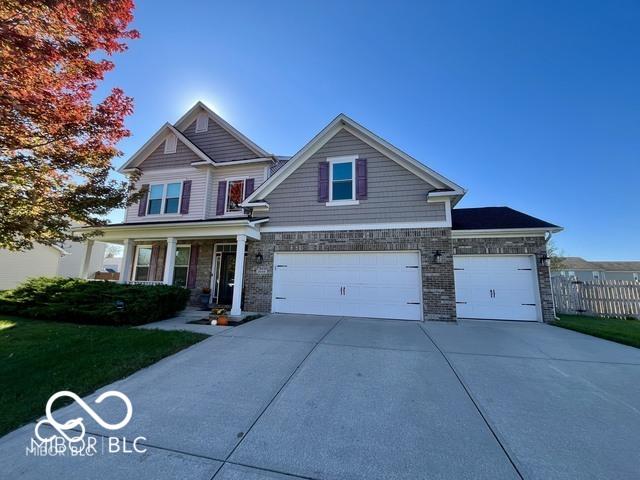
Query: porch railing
145	282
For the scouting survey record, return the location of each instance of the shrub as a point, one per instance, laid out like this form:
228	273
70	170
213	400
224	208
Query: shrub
81	301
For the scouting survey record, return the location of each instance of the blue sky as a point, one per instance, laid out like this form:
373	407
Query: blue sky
530	104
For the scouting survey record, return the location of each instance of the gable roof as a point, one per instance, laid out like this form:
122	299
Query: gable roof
155	141
579	263
343	122
190	116
496	218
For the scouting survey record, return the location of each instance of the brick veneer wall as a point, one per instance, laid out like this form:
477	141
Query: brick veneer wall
517	245
437	278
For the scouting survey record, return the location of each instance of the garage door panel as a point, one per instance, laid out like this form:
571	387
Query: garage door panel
496	287
376	284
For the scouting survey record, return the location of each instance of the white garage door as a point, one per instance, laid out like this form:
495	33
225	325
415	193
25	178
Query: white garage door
359	284
496	287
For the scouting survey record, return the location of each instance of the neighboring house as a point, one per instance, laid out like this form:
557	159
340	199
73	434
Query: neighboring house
350	225
112	264
587	271
45	261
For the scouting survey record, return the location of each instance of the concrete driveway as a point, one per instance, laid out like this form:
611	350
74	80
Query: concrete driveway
291	396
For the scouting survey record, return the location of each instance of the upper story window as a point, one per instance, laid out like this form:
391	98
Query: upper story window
235	195
342	185
164	198
202	123
170	144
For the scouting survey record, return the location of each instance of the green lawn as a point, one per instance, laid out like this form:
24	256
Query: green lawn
39	358
617	330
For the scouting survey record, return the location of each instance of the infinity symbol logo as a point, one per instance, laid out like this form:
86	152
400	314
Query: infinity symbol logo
78	422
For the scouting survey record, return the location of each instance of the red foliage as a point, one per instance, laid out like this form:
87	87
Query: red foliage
56	145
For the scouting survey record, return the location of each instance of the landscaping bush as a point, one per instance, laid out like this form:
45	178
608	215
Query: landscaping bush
99	303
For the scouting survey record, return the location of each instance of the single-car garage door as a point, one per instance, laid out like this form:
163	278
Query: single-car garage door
359	284
500	287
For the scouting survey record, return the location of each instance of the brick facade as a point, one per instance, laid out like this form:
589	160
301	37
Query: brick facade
437	278
514	246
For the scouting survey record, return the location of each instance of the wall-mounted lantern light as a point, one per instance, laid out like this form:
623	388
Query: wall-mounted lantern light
259	258
437	256
545	260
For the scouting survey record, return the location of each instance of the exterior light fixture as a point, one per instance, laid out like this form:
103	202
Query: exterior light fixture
437	256
259	258
545	260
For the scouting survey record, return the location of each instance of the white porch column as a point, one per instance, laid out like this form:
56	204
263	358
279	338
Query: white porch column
169	261
238	276
127	260
86	262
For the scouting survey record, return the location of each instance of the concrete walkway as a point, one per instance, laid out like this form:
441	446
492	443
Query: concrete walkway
290	396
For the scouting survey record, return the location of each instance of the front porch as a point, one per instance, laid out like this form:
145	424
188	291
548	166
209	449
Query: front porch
205	257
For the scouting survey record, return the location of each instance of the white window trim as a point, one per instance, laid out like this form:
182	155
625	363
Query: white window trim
164	199
226	195
135	263
202	123
344	159
170	143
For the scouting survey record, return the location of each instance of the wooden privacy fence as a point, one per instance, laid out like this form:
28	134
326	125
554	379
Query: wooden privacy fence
605	298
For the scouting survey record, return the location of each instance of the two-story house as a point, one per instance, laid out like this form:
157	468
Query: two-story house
349	225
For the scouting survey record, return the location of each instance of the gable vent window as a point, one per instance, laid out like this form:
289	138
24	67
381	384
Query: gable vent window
202	123
170	144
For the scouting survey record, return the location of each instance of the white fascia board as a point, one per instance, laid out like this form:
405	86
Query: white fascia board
143	231
155	141
188	117
504	232
233	162
344	122
355	226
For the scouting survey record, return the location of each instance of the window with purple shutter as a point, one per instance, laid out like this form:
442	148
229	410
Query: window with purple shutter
193	266
249	186
323	182
222	194
186	197
142	206
361	179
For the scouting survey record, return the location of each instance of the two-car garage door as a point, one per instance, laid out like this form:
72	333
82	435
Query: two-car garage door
362	284
389	285
500	287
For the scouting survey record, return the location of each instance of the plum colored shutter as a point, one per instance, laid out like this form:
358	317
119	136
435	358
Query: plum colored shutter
193	266
361	179
222	193
323	182
186	197
249	185
142	206
153	263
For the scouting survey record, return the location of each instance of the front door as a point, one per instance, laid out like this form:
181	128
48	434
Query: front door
227	274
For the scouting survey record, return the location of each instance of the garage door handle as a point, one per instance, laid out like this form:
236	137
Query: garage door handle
413	303
281	298
529	304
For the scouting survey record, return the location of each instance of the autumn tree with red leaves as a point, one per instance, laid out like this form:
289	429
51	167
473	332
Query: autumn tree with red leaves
56	144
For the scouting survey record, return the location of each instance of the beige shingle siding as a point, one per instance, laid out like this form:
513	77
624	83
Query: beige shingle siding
394	193
253	170
219	144
197	202
160	160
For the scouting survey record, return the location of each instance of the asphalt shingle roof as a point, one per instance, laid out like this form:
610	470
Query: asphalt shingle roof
493	218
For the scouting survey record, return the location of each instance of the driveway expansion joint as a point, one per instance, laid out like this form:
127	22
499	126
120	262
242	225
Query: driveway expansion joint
477	406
